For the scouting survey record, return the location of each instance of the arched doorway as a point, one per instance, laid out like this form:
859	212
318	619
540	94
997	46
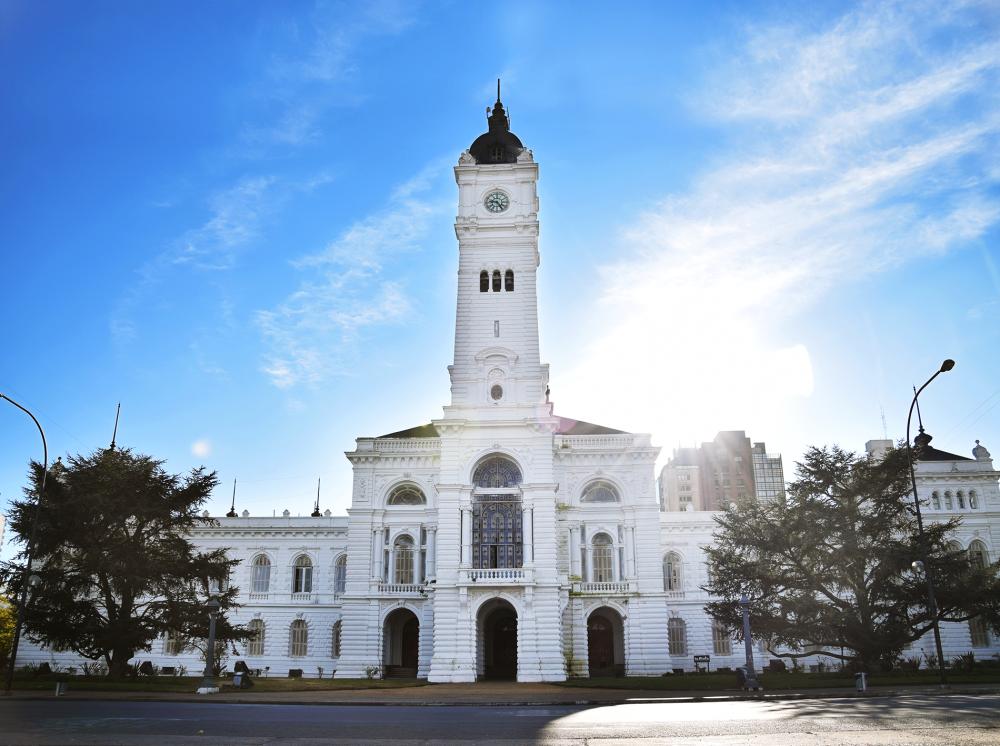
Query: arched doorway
497	651
401	644
605	643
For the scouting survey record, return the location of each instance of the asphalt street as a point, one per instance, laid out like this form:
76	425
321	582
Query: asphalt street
956	720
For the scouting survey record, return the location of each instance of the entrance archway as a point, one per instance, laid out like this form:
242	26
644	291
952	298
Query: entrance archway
497	649
401	644
605	643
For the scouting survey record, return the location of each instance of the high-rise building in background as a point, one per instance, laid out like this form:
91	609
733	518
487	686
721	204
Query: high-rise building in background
725	470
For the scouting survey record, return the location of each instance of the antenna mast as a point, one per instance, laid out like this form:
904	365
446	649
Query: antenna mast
114	435
316	513
232	507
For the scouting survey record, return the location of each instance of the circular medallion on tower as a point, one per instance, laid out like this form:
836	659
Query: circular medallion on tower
496	392
496	201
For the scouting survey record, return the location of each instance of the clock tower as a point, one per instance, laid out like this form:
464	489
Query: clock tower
496	371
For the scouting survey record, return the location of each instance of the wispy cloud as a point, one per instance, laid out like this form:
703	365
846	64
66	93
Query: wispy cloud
862	146
314	332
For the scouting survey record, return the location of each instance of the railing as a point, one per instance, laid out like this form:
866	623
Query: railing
407	445
257	596
496	575
674	594
301	597
399	589
604	587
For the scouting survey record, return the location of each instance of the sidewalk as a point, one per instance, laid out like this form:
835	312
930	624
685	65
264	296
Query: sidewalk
483	694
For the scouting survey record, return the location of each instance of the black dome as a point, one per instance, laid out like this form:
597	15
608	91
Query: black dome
499	145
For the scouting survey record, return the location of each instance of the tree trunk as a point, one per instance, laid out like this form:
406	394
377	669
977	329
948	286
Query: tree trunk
118	667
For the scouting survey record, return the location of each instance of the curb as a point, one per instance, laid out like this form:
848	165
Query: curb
589	702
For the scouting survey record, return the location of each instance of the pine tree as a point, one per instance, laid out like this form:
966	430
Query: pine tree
829	567
115	564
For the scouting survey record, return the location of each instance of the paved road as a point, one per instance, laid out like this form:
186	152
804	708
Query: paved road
956	720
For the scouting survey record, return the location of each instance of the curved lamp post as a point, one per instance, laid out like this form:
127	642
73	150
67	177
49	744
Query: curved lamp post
922	440
22	601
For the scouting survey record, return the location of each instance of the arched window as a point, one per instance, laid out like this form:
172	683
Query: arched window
978	633
496	472
677	636
602	551
599	492
302	581
672	572
936	500
298	639
948	504
260	574
403	551
960	496
508	281
484	281
973	500
340	575
496	281
978	557
172	643
722	643
406	494
335	639
255	645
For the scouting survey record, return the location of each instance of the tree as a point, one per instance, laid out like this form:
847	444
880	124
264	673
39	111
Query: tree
116	566
829	567
8	613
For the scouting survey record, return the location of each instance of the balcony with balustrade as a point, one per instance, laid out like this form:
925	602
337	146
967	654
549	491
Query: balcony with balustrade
605	588
496	576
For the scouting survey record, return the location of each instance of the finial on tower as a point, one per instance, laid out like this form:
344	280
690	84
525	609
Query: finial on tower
114	435
232	506
316	513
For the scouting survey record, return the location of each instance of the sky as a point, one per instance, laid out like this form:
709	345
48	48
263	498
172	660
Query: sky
235	218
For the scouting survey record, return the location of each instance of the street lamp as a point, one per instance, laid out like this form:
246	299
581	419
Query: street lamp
22	601
208	677
751	676
922	440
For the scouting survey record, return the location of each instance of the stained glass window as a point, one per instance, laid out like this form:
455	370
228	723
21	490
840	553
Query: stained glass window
403	551
672	572
497	472
497	532
977	555
407	494
599	492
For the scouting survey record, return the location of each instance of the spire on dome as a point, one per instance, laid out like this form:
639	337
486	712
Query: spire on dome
499	144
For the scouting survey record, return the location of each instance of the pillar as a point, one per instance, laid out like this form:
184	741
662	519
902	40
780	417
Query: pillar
529	536
418	560
432	552
466	537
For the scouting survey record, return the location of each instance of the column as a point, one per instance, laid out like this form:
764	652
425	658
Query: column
574	551
418	560
466	537
376	553
529	535
432	552
589	550
629	552
392	564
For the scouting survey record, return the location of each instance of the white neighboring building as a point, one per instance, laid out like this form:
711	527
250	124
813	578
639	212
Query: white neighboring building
502	539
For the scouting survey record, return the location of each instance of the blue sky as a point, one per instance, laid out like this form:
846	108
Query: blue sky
235	218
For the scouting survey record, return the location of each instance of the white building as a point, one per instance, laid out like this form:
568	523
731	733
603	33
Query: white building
503	539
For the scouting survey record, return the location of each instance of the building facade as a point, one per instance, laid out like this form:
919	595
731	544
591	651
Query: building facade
503	539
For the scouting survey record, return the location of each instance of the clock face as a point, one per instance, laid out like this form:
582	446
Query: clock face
496	201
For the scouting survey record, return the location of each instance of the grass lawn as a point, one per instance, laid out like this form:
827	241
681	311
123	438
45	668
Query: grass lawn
190	684
780	681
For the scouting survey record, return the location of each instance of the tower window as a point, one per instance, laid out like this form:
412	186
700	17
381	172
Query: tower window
496	328
496	392
508	281
497	153
496	281
484	281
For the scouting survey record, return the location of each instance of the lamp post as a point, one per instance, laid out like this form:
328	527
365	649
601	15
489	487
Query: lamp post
922	440
22	601
751	679
208	677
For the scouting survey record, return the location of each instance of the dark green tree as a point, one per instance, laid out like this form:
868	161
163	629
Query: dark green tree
829	567
114	558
